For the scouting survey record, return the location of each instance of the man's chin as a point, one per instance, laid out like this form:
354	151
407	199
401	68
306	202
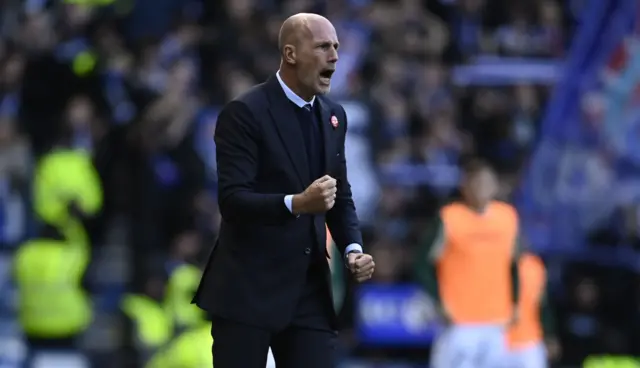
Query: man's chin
323	89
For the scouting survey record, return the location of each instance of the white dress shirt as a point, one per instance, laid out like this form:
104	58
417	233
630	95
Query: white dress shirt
300	102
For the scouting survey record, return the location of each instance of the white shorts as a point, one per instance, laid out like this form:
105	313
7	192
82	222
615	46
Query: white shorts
533	356
470	346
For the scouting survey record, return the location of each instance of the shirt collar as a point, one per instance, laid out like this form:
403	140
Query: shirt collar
299	101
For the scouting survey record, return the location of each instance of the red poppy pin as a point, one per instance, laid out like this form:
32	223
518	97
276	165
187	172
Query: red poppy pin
334	121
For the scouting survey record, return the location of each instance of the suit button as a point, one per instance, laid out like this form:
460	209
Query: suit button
307	251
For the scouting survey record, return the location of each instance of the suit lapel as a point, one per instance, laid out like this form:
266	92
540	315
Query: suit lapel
286	122
327	132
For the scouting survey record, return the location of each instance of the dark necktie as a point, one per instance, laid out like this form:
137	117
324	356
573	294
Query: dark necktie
314	121
315	141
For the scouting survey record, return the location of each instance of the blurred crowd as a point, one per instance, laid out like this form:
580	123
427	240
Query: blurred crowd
135	86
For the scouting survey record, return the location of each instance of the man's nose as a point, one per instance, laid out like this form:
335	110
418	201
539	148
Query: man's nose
333	56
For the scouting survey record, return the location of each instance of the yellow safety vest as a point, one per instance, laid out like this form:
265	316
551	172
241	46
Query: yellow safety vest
191	349
607	361
153	327
51	300
181	285
62	177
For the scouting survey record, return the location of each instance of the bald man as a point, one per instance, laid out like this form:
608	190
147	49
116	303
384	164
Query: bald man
282	176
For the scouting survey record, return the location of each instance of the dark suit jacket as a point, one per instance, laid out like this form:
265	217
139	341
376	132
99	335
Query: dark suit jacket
257	269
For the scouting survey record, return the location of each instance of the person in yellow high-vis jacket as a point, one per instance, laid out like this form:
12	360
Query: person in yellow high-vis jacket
190	349
53	307
148	325
183	281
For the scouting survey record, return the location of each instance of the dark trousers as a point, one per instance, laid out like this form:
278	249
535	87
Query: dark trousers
308	342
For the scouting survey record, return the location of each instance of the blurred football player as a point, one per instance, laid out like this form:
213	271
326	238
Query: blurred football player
526	339
468	264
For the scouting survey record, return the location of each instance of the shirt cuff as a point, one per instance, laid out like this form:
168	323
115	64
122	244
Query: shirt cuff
288	201
355	247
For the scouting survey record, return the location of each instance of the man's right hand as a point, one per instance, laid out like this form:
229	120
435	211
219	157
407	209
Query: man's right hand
319	197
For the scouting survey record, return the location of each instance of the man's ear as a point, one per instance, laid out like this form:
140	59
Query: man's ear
289	54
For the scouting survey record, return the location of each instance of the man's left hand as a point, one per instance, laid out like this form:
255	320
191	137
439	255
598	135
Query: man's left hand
361	266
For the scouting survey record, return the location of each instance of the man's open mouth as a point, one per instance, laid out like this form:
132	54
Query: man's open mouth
325	75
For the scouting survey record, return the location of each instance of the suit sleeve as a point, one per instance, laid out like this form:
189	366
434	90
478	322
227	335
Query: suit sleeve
237	139
342	219
429	253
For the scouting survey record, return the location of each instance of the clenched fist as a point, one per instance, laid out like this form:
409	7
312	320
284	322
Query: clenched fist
361	266
319	197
